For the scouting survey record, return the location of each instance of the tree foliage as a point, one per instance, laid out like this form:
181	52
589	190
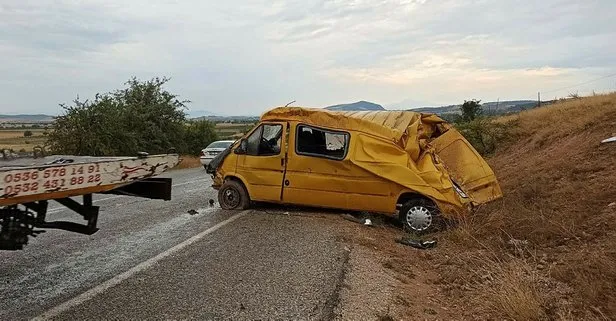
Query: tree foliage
199	134
141	117
480	129
471	109
484	134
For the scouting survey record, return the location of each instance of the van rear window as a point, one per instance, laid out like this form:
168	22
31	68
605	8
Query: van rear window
311	141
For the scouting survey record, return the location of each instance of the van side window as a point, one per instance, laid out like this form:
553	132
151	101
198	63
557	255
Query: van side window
317	142
265	140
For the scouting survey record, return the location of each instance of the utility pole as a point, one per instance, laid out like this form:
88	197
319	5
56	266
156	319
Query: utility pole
538	99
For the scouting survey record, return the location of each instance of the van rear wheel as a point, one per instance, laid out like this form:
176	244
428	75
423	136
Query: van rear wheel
420	216
232	195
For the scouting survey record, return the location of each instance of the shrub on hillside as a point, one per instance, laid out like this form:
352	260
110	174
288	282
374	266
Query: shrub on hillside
484	134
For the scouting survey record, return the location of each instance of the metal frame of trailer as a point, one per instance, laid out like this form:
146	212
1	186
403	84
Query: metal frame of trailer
27	186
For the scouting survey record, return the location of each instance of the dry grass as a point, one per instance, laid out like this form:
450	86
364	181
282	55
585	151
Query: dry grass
547	249
15	140
188	161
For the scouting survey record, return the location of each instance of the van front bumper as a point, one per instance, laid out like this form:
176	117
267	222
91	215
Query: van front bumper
217	181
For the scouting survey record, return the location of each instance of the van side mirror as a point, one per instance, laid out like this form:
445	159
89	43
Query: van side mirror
242	148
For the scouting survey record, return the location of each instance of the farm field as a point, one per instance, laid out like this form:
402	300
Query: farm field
13	139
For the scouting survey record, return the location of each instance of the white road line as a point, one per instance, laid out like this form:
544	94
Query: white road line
83	297
186	183
55	209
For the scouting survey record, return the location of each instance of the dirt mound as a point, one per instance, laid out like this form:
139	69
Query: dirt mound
547	249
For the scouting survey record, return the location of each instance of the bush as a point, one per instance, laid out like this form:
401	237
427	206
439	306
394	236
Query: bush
198	134
484	134
141	117
471	110
28	133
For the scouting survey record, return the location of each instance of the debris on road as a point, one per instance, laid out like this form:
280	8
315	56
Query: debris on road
212	202
418	244
193	212
363	221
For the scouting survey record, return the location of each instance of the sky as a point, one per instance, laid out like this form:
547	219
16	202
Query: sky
244	57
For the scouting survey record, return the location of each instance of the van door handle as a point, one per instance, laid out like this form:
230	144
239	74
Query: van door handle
282	162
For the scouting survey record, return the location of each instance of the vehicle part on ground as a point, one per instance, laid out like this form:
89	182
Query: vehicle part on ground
420	216
609	140
418	244
232	195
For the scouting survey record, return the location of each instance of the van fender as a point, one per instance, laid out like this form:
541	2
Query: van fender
448	210
241	179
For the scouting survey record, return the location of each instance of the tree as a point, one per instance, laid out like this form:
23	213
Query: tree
199	134
141	117
471	109
28	133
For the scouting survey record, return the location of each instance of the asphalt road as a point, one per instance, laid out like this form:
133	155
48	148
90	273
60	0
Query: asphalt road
153	260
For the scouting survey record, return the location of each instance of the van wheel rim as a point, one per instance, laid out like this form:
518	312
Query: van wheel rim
419	218
231	197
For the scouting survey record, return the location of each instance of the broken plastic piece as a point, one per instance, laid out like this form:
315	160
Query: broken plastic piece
418	244
609	140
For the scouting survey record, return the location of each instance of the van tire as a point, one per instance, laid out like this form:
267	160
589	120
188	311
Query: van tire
232	195
420	216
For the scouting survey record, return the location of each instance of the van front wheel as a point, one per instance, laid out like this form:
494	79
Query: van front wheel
232	195
420	216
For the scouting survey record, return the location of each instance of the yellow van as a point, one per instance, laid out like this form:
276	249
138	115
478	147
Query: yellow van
402	163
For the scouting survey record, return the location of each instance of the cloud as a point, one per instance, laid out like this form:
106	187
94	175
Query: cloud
239	57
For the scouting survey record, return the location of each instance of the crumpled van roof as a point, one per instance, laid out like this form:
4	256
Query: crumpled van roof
387	124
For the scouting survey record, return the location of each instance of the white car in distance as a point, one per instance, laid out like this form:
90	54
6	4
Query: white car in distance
212	150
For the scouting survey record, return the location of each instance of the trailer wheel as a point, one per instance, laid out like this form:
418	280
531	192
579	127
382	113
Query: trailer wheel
233	196
420	216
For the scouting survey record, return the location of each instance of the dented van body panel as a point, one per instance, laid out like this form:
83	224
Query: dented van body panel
366	161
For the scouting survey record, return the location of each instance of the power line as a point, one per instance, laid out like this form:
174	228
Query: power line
580	84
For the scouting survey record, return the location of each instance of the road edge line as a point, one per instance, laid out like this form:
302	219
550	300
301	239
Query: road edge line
91	293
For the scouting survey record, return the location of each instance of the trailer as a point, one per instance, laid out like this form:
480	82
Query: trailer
27	185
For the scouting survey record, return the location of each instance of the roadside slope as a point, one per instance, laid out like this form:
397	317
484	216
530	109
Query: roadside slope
546	250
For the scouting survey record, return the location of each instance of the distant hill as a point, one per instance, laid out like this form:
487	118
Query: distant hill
493	107
358	106
26	118
199	113
230	119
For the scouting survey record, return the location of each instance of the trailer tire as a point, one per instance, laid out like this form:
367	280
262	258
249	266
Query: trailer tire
232	195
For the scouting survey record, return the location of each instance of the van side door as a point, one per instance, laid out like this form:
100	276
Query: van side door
317	171
261	164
